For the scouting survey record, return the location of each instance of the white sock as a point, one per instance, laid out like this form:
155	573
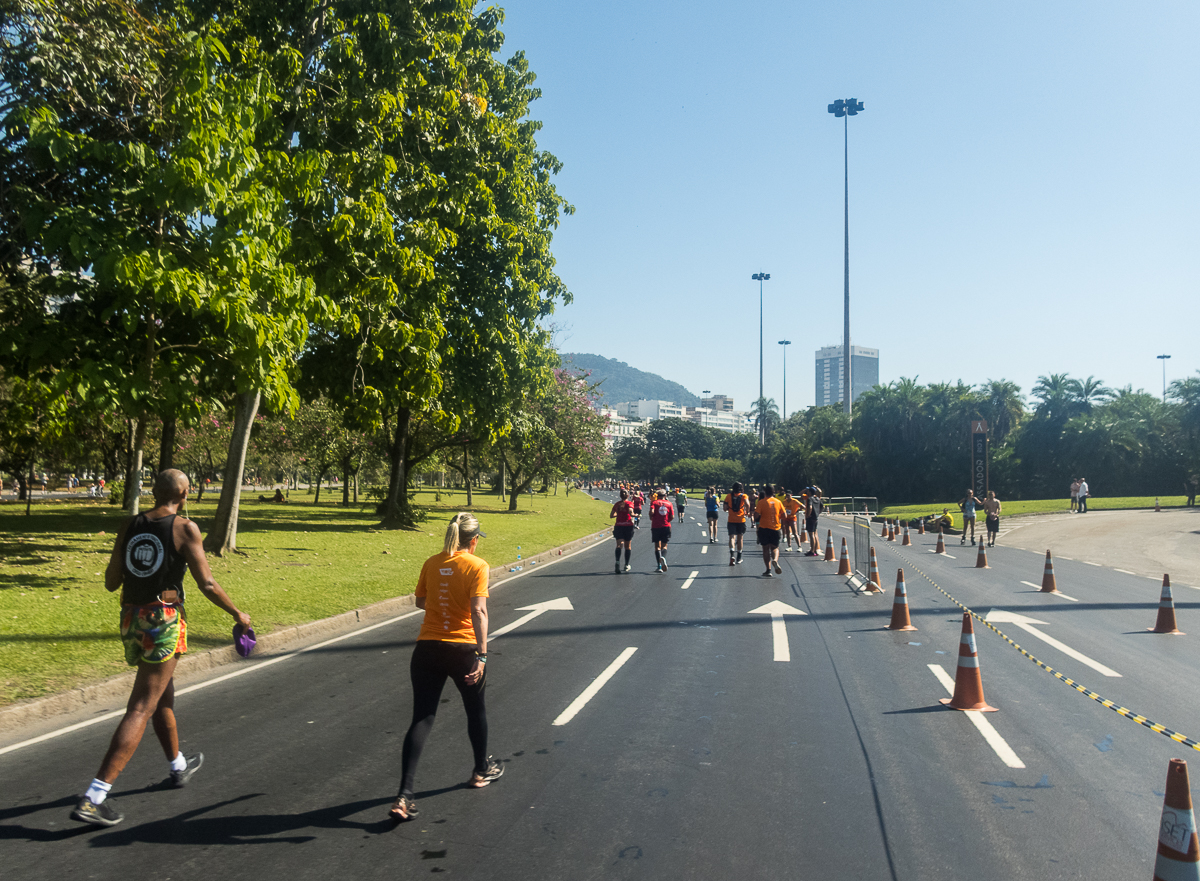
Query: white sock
179	763
98	791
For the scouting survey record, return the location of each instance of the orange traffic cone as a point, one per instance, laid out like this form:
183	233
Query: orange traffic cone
981	557
1166	611
1049	585
883	531
803	536
921	526
900	619
873	575
1178	847
1157	506
844	560
968	684
829	546
941	545
907	540
891	532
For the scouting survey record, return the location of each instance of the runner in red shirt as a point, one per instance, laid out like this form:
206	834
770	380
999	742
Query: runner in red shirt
623	531
638	501
662	513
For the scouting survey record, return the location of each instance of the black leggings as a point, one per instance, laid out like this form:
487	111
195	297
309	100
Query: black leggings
432	661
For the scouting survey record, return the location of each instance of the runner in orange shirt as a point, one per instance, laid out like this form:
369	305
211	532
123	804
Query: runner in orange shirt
453	591
737	505
791	507
770	513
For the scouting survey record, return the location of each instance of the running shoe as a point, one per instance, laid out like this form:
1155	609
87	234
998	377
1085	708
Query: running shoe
179	779
810	553
665	566
767	574
494	771
739	559
627	567
659	568
731	561
778	569
404	809
617	568
104	814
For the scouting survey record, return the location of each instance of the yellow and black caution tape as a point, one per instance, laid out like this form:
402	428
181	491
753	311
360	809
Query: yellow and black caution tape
1082	689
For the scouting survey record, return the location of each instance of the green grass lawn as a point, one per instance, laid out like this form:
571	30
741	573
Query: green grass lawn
58	626
1034	506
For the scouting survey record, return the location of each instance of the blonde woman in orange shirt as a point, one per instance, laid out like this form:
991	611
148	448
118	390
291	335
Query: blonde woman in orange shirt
453	591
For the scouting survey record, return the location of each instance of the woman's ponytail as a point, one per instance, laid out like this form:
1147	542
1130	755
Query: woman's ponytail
463	527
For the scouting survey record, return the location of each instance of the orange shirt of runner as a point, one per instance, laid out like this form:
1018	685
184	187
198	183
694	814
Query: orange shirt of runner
770	513
448	583
792	506
733	516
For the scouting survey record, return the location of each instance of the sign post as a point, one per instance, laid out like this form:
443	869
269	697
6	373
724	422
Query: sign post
979	457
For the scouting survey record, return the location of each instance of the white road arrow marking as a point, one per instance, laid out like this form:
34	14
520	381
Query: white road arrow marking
562	604
598	683
999	616
777	610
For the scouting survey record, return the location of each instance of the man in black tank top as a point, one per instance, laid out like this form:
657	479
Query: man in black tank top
148	561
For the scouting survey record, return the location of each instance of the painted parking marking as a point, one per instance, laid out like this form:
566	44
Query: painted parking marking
688	583
592	690
1049	593
990	734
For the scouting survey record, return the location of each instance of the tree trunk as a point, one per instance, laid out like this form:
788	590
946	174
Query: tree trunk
222	538
320	477
467	473
133	465
395	508
346	481
166	450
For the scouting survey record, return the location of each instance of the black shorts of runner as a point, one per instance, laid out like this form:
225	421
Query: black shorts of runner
993	524
810	525
768	538
623	532
736	528
713	515
660	533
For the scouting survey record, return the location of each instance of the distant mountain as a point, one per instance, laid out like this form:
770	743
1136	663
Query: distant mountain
624	383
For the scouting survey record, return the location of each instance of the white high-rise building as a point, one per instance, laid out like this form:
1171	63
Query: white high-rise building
864	370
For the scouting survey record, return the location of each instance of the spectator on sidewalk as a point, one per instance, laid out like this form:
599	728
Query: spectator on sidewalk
1074	493
1083	495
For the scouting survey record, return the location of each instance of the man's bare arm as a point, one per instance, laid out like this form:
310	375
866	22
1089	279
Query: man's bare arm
115	573
193	552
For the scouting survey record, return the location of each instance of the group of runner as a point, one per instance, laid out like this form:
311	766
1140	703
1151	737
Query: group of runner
775	521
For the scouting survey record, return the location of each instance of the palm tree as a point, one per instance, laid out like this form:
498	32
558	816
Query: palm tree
766	417
1003	405
1088	392
1054	395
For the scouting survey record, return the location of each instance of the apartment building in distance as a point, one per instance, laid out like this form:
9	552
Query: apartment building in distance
864	373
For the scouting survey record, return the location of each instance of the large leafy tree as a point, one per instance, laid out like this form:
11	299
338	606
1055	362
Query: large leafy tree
140	180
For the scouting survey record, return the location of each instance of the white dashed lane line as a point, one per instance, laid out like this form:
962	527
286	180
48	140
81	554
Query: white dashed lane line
990	734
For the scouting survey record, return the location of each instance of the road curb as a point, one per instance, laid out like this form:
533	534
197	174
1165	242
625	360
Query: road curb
111	693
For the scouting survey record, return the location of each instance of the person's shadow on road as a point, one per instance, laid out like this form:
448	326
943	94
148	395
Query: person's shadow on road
192	827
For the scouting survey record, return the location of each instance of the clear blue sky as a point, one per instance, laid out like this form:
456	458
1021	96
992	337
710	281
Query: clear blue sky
1024	185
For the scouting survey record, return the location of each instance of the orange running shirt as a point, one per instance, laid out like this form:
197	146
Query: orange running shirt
770	513
737	514
792	507
448	584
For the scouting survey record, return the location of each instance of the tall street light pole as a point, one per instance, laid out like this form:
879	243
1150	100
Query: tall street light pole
785	344
760	277
1164	358
844	110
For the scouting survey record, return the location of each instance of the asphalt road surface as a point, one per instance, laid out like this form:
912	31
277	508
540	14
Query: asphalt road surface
715	741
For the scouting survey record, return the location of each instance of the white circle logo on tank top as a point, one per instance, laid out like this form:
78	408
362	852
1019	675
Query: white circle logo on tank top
144	555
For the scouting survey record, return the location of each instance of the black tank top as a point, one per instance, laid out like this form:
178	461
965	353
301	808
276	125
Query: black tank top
150	562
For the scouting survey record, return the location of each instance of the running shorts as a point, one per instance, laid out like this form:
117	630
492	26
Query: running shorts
713	515
810	525
736	528
623	532
660	533
967	518
768	538
993	523
153	634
